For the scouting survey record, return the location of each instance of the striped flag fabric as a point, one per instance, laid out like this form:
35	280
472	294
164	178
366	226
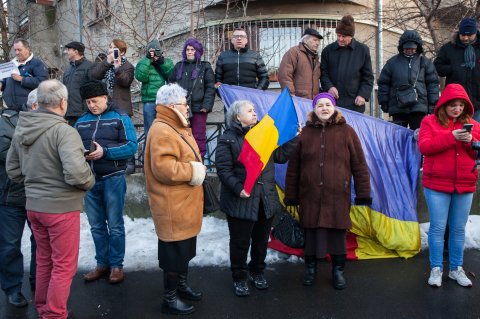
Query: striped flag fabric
276	128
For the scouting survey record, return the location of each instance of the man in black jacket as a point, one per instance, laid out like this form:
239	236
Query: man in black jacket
457	60
77	74
13	216
241	66
346	68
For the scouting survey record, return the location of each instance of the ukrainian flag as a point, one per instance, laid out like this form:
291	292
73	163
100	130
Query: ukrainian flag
389	227
276	128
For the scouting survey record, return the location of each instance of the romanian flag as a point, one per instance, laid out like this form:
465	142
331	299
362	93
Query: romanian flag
276	128
389	227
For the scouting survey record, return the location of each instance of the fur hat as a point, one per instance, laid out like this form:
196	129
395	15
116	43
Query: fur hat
467	26
323	95
346	26
93	89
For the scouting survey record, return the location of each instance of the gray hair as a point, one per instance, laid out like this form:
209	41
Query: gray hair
235	109
50	94
305	37
23	42
170	94
32	99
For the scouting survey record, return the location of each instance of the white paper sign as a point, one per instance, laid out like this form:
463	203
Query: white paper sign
6	69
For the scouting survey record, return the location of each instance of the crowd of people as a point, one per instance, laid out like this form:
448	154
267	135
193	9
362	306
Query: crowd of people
83	139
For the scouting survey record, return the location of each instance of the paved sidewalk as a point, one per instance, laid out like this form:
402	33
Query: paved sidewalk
384	288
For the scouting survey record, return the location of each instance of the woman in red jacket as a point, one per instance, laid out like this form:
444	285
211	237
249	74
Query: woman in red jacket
449	178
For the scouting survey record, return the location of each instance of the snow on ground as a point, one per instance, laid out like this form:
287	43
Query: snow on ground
212	244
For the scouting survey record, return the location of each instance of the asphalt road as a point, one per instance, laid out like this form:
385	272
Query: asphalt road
383	288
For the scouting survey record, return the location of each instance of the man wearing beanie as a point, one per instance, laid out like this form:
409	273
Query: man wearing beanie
153	71
109	140
77	74
300	66
346	68
457	61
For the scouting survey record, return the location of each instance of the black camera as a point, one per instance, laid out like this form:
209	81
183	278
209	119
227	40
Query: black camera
158	53
476	145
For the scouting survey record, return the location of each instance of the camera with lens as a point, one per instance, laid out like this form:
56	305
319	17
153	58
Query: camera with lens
476	145
157	53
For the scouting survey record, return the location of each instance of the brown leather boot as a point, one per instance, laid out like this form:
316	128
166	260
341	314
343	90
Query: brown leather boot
97	273
116	275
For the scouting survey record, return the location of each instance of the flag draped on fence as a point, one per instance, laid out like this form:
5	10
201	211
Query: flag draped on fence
276	128
389	228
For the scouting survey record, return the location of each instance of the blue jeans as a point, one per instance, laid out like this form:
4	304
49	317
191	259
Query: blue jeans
104	206
149	115
454	208
12	223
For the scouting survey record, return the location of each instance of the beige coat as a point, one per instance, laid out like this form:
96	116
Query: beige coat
170	170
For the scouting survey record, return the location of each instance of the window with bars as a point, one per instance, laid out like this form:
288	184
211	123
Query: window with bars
272	38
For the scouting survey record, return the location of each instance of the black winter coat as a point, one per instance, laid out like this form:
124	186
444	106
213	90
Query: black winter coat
243	68
449	63
232	175
74	77
11	193
203	94
349	69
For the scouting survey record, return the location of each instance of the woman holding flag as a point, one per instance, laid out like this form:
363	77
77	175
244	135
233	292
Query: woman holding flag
249	215
319	177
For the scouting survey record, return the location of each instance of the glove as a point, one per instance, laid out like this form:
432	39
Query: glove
363	201
160	60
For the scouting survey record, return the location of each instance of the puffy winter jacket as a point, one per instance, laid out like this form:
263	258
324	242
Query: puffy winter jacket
11	193
203	94
449	165
115	133
232	175
243	68
152	77
74	77
401	70
450	64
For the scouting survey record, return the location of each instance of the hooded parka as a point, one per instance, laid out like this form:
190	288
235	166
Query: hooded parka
403	70
448	165
320	171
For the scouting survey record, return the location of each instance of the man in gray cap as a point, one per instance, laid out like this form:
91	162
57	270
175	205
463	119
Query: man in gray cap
457	60
77	74
300	66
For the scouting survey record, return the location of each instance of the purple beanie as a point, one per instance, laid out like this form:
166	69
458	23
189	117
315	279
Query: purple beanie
323	95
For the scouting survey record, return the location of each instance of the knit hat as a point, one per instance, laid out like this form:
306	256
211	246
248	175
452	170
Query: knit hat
346	26
79	46
323	95
312	32
93	89
154	44
467	26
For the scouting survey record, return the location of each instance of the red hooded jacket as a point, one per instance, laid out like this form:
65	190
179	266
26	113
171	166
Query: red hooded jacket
448	163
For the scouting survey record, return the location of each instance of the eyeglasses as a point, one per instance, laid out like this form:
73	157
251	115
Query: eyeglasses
239	36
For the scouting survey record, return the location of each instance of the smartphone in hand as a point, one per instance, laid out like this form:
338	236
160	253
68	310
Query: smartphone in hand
93	148
468	127
116	53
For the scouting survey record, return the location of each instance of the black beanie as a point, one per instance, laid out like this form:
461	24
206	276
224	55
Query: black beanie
93	89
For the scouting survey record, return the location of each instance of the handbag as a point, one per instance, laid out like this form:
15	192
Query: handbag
407	93
289	231
210	199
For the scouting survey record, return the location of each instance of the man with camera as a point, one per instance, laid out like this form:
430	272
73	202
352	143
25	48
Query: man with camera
110	140
77	74
153	71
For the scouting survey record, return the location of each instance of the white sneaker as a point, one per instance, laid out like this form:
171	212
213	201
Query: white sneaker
435	279
460	276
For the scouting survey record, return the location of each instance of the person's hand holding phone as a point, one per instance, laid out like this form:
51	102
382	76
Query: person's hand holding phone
97	152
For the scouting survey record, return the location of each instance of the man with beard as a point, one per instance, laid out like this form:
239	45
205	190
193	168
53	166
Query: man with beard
457	61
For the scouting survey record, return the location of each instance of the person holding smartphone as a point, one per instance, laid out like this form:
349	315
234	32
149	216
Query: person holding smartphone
118	74
449	178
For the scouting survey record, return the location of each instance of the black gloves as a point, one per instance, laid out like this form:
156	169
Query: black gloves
363	201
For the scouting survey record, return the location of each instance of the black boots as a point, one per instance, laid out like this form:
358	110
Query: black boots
310	270
171	303
338	267
185	291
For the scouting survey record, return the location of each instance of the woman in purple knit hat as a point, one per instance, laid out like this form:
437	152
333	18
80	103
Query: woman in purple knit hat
319	178
197	78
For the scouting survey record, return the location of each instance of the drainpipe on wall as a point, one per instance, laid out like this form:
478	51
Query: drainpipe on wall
379	50
80	19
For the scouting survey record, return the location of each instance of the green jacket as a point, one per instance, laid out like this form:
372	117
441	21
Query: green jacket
151	79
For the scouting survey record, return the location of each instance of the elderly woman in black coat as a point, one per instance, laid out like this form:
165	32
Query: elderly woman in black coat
249	216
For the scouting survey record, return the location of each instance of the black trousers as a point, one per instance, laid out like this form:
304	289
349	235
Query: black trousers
411	120
245	234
